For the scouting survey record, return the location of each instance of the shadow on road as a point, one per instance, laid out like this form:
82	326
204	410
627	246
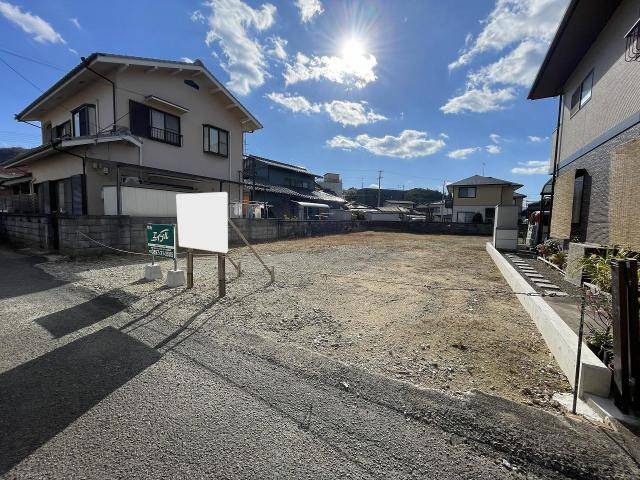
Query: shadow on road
80	316
42	397
19	276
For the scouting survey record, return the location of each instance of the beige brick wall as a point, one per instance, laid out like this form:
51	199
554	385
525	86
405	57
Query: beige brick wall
624	196
562	205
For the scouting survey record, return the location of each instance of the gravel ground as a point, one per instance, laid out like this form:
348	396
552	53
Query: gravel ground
360	298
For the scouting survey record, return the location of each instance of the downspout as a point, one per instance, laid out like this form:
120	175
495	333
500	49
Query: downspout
554	173
113	89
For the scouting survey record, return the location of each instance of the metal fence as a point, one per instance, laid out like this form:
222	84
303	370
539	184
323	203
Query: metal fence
21	203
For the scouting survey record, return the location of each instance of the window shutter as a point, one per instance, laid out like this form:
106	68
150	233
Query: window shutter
139	119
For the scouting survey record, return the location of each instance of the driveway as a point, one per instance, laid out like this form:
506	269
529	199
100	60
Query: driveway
91	386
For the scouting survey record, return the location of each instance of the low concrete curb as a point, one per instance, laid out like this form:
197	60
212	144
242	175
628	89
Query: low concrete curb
595	377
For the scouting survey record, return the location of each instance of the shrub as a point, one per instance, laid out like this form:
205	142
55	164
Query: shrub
559	259
598	267
548	248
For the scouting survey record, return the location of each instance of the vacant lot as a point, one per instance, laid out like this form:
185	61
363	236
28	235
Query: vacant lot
360	298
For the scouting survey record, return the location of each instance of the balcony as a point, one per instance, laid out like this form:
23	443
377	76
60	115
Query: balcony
166	136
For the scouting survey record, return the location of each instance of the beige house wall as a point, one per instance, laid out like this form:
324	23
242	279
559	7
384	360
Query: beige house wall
624	197
486	195
614	95
98	93
562	205
204	108
55	167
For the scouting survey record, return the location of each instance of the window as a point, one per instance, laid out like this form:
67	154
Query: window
84	121
215	140
151	123
62	131
466	192
465	217
585	90
582	94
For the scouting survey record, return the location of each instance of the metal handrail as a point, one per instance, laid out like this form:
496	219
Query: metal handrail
167	136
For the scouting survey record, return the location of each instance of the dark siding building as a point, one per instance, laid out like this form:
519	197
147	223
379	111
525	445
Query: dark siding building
593	67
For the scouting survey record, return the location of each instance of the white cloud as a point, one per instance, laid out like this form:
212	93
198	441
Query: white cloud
342	112
41	30
409	144
294	103
76	22
356	70
518	67
479	100
462	152
186	59
73	50
374	185
277	49
444	135
351	113
495	138
197	16
535	139
309	9
493	149
524	26
230	23
513	21
532	167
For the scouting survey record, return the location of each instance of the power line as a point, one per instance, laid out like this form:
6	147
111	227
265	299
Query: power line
30	59
21	76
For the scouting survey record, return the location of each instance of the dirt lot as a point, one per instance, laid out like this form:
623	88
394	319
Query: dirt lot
359	298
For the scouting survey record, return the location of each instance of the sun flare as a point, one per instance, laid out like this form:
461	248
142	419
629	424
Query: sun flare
352	49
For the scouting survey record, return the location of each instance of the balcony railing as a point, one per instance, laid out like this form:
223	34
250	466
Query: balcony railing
167	136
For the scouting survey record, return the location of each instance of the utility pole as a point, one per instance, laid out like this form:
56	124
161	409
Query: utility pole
379	178
361	182
483	169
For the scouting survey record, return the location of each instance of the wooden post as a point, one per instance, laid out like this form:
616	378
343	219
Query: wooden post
222	286
189	268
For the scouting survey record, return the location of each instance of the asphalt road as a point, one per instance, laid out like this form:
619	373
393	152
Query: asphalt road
92	389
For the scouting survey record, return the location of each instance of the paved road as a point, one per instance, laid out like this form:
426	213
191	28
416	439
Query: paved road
99	390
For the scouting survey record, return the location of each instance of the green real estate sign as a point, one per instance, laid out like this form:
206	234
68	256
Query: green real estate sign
161	239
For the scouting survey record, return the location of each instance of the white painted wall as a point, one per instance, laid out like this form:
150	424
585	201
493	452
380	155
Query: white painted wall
140	202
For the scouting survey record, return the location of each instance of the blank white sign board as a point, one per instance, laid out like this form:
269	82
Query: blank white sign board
203	221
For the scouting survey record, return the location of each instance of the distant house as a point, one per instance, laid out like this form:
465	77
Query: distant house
592	66
439	211
332	183
407	204
286	190
475	198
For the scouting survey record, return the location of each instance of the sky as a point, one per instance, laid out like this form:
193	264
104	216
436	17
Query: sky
427	91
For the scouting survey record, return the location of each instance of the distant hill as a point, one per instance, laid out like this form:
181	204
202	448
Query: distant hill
422	195
7	153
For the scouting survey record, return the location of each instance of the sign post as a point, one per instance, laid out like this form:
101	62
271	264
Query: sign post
161	242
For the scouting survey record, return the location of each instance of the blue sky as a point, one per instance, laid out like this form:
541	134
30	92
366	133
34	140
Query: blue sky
425	90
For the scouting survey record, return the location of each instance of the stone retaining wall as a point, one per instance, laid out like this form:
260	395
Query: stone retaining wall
128	233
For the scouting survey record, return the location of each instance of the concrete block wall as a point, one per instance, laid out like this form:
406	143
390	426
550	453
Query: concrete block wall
129	233
26	230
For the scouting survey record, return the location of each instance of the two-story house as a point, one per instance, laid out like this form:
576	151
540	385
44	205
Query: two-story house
592	66
474	199
286	190
122	135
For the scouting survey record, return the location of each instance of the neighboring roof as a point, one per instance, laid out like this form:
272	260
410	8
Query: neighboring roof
519	195
546	189
393	209
285	166
400	202
314	195
581	24
480	180
47	149
312	205
98	59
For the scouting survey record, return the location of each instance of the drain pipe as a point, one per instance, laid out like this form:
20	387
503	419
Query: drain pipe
113	89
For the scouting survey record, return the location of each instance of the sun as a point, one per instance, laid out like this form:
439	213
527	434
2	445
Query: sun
352	49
